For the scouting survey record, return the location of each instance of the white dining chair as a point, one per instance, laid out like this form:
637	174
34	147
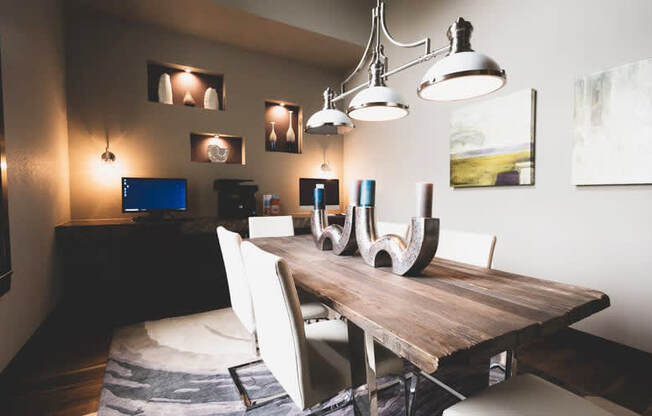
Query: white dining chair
311	362
470	248
525	395
239	287
271	226
397	228
466	247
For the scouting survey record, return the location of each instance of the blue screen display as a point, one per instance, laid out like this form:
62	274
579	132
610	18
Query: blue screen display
148	194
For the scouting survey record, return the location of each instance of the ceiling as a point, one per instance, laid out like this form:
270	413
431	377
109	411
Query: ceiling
245	29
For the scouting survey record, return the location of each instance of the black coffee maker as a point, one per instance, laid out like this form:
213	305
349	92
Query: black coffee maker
235	200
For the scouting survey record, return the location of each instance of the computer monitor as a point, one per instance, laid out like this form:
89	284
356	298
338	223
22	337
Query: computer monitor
331	191
154	194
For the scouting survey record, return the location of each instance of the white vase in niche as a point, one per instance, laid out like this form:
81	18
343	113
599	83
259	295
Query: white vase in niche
188	100
210	99
272	136
165	89
217	153
290	136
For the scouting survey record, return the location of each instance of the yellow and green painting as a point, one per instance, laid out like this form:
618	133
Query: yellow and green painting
492	142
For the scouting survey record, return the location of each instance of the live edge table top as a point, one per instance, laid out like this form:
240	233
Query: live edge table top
450	311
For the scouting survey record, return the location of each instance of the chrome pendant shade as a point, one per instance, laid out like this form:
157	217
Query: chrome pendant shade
378	103
329	120
463	73
460	74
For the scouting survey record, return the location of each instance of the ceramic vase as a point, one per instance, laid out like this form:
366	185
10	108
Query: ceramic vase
217	153
272	137
210	99
290	136
188	100
165	89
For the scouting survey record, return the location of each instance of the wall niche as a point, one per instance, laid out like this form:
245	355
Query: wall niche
184	85
217	148
283	127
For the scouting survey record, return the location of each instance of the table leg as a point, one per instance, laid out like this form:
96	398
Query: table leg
370	362
363	370
511	364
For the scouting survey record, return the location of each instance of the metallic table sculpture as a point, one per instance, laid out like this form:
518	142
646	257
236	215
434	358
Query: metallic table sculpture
359	231
405	257
341	240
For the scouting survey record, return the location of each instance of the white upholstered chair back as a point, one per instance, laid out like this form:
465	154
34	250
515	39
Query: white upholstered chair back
281	336
236	276
397	228
466	247
271	226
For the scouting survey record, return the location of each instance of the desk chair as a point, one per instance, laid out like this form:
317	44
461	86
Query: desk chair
272	226
311	362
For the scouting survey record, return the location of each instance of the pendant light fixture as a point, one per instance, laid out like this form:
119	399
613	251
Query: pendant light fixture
461	74
329	120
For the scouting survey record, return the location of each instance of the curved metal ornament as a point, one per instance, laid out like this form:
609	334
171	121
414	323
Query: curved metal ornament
405	258
334	237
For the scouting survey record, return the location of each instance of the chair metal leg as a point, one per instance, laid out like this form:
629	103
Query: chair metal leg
443	385
413	391
335	406
248	402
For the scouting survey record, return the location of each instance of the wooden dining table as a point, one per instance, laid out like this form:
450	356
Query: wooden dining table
447	314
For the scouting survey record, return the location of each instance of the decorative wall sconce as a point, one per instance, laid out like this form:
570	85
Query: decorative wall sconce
108	156
461	73
325	167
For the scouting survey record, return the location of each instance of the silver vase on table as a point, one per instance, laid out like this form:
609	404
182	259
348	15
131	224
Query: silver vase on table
341	240
405	258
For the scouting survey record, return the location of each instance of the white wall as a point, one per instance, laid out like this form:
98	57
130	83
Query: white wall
31	45
598	237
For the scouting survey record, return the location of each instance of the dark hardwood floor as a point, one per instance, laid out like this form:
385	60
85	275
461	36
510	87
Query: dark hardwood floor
60	370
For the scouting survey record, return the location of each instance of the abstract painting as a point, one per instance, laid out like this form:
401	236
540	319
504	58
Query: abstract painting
612	141
492	142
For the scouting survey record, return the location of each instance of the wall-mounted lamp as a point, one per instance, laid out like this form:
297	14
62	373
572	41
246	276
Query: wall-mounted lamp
108	156
325	167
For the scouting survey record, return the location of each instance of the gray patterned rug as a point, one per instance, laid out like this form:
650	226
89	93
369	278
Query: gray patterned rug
178	366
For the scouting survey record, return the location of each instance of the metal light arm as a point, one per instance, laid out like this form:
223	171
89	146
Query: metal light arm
363	59
378	23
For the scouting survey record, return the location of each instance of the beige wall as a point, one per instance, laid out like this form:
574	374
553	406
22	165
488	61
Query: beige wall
598	237
107	88
31	45
347	20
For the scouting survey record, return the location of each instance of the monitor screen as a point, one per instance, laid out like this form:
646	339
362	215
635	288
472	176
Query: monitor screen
331	191
153	194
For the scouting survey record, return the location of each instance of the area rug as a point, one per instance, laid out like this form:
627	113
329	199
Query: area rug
179	366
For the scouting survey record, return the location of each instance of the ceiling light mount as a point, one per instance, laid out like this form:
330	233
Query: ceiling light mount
461	73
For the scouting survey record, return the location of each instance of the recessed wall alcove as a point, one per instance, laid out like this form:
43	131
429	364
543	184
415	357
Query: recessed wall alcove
184	85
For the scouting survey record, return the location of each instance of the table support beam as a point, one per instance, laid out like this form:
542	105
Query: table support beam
370	362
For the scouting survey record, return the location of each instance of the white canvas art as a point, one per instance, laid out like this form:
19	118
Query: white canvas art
613	126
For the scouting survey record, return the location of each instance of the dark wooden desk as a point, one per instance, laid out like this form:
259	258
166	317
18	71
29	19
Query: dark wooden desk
124	271
452	311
